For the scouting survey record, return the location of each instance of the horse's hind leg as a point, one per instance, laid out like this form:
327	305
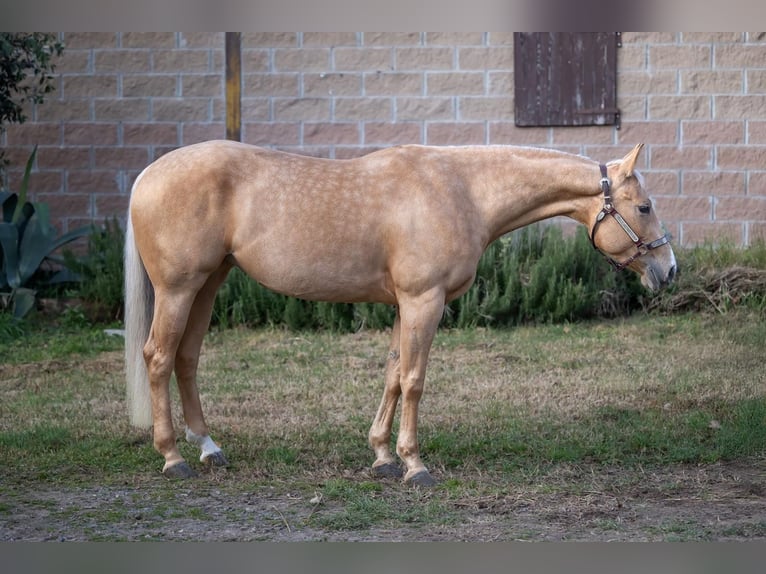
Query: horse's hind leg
171	311
187	360
385	464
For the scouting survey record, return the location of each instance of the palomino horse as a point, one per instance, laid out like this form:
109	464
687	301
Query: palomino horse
403	226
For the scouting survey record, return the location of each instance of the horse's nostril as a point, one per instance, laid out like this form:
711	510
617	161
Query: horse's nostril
671	274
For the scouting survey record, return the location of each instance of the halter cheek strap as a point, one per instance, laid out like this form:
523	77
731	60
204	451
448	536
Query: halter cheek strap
609	209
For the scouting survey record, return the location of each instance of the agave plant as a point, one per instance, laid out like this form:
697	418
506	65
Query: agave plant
27	239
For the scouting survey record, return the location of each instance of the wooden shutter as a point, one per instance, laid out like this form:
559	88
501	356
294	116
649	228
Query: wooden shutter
566	79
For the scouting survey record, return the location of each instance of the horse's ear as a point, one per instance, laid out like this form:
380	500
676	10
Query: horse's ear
628	163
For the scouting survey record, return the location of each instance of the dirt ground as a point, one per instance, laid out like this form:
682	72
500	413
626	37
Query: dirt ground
716	502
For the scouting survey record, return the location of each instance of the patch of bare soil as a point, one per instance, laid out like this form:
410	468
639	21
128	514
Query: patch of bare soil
715	502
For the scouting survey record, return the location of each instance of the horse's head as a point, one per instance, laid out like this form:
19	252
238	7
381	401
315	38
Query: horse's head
627	229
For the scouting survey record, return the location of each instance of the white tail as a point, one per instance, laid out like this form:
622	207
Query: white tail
139	302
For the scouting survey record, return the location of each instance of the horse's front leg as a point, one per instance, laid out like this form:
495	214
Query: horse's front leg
385	464
419	318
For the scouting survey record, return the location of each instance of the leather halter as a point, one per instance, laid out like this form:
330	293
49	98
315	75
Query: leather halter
609	209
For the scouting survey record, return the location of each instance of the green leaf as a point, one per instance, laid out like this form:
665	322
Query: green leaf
17	214
22	302
9	242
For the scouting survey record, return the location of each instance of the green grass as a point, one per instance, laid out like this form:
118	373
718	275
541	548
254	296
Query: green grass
526	416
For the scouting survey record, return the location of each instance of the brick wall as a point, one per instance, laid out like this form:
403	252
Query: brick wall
698	100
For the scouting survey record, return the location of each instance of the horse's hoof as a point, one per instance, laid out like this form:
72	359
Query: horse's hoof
387	470
422	478
180	470
216	459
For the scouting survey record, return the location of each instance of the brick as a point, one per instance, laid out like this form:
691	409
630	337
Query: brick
330	133
201	40
88	133
679	107
740	56
256	109
434	108
698	233
500	83
741	157
712	133
685	157
661	182
173	61
393	83
110	205
33	133
94	181
756	184
508	133
200	132
712	37
578	135
716	183
88	40
125	109
39	181
334	84
287	109
302	60
756	36
366	109
271	134
83	86
741	209
181	109
271	85
203	85
148	40
121	61
647	82
606	153
149	85
649	37
478	108
253	61
153	133
67	158
62	204
632	108
270	39
683	208
680	56
500	38
486	58
362	59
454	38
391	38
756	81
133	157
430	59
740	107
63	110
756	232
74	62
633	57
456	133
659	132
455	83
712	82
329	39
392	133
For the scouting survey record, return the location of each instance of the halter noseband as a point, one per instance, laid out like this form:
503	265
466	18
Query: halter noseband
609	209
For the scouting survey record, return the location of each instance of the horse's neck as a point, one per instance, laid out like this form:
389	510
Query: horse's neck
515	186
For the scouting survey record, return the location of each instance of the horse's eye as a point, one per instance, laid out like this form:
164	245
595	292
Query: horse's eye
645	209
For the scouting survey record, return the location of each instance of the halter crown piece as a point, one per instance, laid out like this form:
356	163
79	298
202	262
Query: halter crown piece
609	209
